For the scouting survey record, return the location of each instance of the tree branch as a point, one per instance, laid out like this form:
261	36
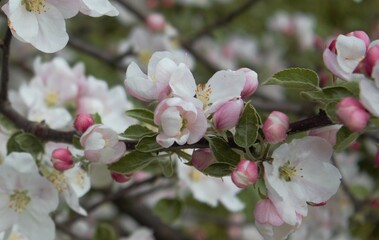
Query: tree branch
5	66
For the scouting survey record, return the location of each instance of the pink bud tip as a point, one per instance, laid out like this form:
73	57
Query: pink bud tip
83	121
275	127
361	35
62	159
120	178
251	83
155	22
245	174
202	158
351	113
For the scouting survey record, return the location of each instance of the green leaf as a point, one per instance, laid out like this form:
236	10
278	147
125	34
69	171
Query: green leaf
167	165
218	169
137	132
344	138
353	87
25	142
336	93
148	144
96	118
223	152
247	127
142	114
330	110
168	209
4	121
296	78
105	231
132	162
12	145
317	95
76	142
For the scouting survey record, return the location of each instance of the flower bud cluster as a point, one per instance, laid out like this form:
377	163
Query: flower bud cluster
354	57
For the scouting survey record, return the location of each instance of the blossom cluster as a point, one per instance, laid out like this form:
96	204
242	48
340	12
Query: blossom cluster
42	22
353	57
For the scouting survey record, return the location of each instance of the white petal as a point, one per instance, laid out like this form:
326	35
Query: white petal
171	121
182	82
369	96
37	227
350	51
21	162
96	8
68	8
52	35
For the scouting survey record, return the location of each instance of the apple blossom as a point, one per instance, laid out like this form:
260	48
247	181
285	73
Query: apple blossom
269	223
275	127
344	54
352	114
202	158
155	85
228	115
180	121
223	86
27	198
83	121
209	190
299	173
62	159
101	145
245	174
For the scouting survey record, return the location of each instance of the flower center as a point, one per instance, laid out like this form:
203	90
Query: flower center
51	99
287	172
202	93
58	180
144	56
36	6
19	200
195	175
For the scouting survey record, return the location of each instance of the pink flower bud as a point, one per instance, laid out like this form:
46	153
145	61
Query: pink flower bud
120	178
372	56
275	127
361	35
245	174
228	115
352	114
83	121
251	83
202	158
155	22
62	159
